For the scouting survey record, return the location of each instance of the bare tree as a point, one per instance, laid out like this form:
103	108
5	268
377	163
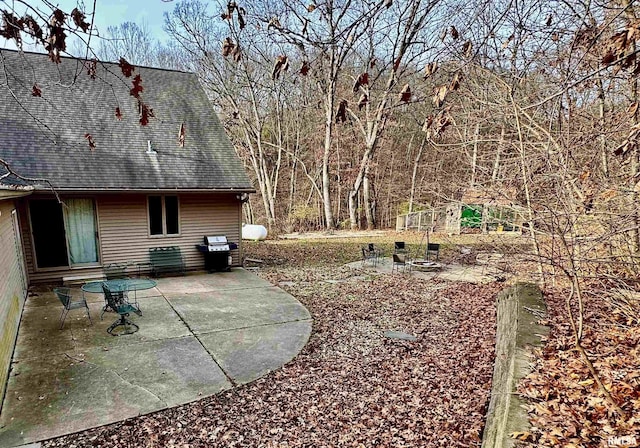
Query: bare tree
397	43
130	41
324	36
233	67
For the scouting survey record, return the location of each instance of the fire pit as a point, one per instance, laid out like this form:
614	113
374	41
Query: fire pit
425	265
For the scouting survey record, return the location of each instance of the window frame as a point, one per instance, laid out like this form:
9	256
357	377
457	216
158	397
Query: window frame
164	233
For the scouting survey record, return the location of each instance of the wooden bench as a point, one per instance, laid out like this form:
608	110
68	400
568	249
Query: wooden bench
166	260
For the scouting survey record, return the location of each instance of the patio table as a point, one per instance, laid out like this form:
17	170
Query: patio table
119	285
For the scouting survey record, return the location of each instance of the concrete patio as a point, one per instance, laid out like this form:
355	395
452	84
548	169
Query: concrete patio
199	335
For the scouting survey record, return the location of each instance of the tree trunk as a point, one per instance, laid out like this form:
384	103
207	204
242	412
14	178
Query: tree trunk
474	157
292	186
496	163
366	196
414	174
265	187
525	183
387	222
248	211
339	182
326	187
602	137
353	219
635	163
257	162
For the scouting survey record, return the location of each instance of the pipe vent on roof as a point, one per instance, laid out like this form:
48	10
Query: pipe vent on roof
149	148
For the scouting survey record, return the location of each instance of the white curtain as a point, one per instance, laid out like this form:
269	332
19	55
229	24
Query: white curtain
80	225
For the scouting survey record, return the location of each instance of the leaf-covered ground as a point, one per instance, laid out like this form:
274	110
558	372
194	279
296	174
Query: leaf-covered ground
350	386
332	251
566	408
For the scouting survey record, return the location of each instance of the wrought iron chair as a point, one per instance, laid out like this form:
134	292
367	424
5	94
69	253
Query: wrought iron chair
114	295
375	249
137	268
64	294
433	249
117	301
115	270
399	248
369	255
401	261
129	269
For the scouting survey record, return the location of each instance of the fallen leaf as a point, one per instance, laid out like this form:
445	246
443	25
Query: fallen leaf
126	68
405	93
524	436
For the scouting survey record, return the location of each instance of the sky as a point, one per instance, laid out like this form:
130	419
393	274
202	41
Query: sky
109	13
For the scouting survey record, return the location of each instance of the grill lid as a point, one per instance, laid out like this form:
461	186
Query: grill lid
215	240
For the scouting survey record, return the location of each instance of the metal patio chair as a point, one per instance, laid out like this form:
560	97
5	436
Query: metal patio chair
401	261
117	301
369	255
399	247
128	270
433	250
375	249
64	294
115	270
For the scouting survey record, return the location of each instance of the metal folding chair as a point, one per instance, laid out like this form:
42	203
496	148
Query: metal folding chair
64	294
369	256
399	248
433	250
401	261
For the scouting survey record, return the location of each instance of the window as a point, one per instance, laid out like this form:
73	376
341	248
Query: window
164	215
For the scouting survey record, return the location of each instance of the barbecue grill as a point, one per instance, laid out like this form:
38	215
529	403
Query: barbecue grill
216	252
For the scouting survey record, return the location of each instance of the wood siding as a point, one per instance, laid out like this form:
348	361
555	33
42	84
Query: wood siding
12	293
123	231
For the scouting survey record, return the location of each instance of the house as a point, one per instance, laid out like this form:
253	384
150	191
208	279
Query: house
13	279
93	185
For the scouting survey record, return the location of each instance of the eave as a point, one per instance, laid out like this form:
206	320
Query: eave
146	190
13	192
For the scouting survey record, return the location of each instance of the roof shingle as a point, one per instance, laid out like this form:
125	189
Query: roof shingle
44	137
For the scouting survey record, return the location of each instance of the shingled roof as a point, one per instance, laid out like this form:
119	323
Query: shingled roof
46	136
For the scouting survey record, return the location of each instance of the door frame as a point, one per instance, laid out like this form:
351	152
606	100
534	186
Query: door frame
68	266
17	238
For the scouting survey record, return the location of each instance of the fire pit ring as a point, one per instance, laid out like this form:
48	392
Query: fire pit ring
425	265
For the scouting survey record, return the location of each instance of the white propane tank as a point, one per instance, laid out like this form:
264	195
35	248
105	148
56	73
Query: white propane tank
253	232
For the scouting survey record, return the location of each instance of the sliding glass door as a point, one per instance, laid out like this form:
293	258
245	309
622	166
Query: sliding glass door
80	225
64	235
47	228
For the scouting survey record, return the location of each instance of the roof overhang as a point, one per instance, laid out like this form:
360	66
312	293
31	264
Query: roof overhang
12	192
146	191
